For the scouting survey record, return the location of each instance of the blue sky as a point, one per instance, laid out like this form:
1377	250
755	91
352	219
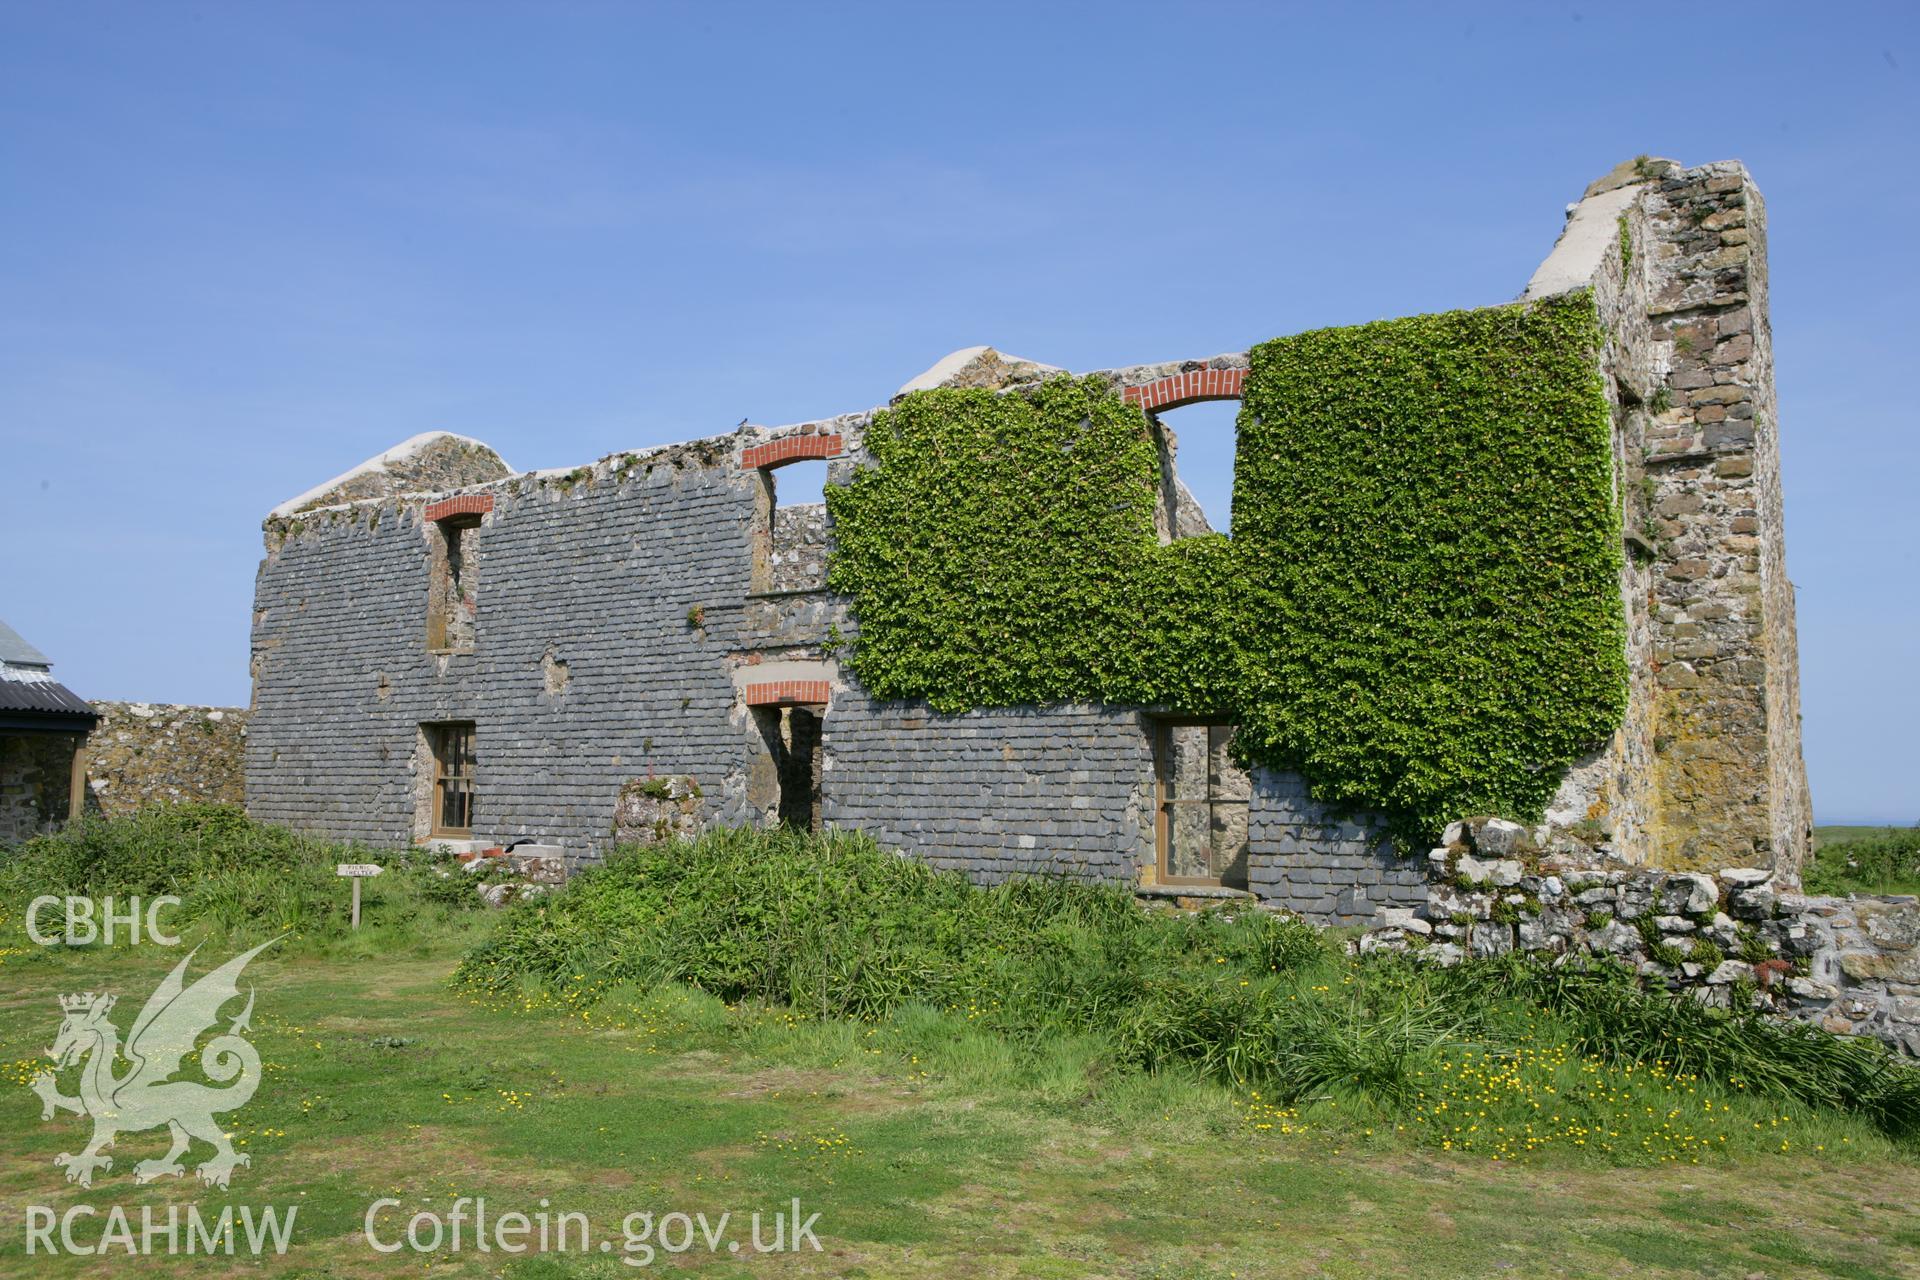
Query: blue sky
243	247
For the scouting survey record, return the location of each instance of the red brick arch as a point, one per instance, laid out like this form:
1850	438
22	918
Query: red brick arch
1188	388
774	693
467	504
778	453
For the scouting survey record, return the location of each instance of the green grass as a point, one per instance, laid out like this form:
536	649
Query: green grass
836	927
928	1146
1838	833
1865	860
242	882
1040	1079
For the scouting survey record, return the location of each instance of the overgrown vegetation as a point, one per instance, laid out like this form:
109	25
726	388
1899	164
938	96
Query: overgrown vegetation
1437	627
835	928
1418	610
928	1146
236	878
1884	861
996	552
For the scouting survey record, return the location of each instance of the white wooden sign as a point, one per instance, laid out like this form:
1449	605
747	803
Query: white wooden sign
356	872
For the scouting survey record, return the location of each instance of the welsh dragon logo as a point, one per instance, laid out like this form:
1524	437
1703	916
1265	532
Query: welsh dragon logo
146	1096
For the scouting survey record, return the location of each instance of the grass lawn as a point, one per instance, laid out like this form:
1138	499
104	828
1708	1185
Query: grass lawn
920	1157
1869	860
1823	836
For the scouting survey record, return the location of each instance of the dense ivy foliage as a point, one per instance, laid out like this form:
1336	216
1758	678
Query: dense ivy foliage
1418	611
993	554
1425	513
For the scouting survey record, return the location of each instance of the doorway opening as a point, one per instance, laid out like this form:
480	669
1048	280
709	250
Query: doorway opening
792	735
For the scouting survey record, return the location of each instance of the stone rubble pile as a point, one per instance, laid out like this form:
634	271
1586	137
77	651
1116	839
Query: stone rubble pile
509	875
656	810
1848	965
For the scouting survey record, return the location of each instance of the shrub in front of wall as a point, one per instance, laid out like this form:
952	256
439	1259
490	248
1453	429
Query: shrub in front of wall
234	876
1886	861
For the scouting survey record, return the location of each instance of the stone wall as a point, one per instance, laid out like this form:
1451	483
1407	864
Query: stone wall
1848	965
36	782
1339	870
629	618
797	556
143	753
616	630
1707	768
630	574
995	792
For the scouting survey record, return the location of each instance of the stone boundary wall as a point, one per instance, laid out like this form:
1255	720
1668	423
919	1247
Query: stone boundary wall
146	753
1850	966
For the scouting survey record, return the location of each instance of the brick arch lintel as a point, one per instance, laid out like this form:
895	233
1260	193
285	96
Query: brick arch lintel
1191	387
785	449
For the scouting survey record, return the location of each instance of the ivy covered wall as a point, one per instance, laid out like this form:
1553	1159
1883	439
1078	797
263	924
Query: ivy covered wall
1418	611
1425	515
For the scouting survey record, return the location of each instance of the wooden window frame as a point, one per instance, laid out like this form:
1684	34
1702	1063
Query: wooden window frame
1162	748
442	740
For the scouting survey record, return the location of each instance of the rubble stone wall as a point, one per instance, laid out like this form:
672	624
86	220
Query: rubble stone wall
144	753
1706	768
1848	965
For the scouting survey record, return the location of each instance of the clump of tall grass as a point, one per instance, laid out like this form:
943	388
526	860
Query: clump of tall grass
835	927
235	877
1605	1012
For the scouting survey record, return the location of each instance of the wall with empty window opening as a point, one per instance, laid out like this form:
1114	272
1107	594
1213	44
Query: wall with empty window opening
453	549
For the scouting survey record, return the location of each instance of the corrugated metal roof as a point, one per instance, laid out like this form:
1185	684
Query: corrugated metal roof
43	704
15	649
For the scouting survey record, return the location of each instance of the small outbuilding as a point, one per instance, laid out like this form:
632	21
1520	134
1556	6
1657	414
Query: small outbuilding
43	735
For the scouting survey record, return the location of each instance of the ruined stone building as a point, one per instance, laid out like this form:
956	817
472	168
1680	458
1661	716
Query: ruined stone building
444	648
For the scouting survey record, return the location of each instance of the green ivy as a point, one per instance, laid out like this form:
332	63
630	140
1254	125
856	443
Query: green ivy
1418	611
994	554
1425	511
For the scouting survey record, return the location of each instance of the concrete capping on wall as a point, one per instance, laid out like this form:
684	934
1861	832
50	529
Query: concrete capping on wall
1592	231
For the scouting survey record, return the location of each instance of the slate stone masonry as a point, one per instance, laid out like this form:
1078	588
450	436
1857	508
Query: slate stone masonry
623	612
1329	868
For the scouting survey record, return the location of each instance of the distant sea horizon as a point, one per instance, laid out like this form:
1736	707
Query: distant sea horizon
1824	821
